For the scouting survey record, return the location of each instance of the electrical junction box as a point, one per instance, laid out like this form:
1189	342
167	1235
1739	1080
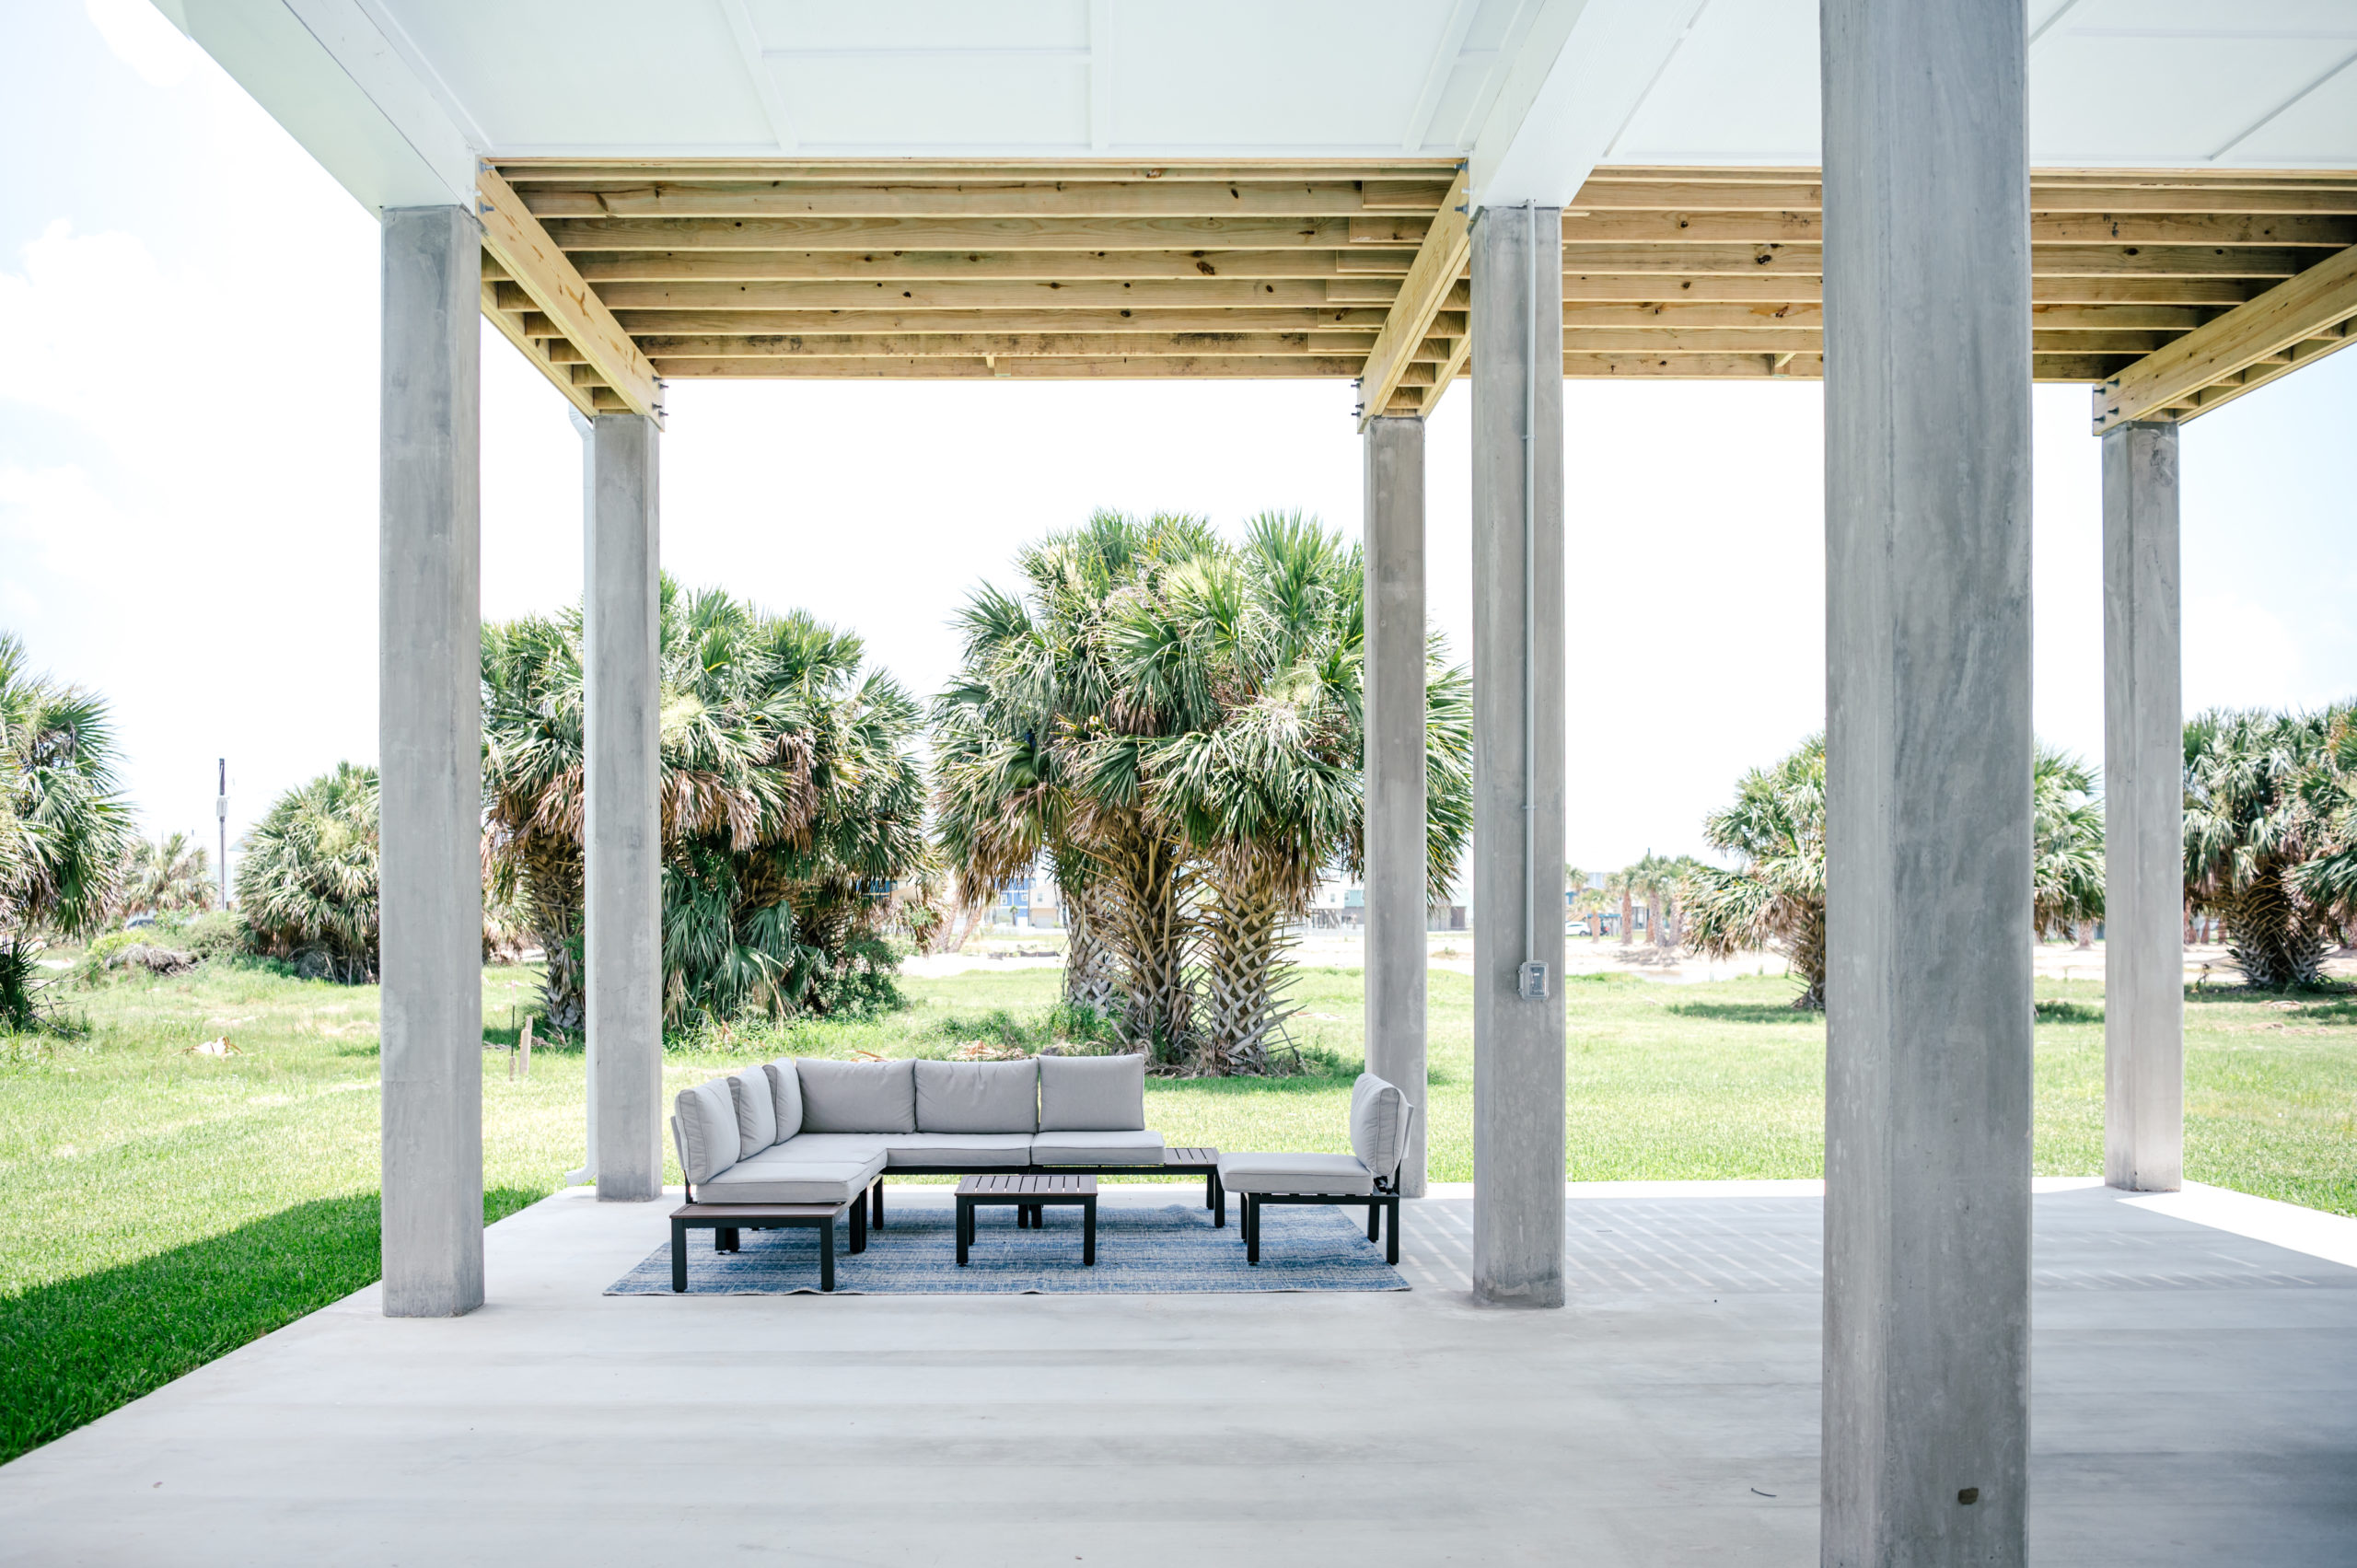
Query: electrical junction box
1533	977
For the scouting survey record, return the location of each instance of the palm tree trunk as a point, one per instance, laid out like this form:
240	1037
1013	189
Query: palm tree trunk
1089	978
2271	937
1244	974
1808	955
1149	933
1628	920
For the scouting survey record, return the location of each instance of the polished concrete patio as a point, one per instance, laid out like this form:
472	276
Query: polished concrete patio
2196	1402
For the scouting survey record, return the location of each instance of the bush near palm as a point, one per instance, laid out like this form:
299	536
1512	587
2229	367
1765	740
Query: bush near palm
1175	724
307	885
64	825
1775	899
164	876
791	806
2266	835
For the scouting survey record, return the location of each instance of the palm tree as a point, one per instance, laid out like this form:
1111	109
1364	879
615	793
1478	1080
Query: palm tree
2250	827
64	825
2328	882
1776	898
165	875
791	804
307	885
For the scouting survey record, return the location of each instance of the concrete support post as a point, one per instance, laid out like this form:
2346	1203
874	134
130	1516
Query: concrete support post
1394	707
1928	746
623	865
2144	768
430	770
1517	755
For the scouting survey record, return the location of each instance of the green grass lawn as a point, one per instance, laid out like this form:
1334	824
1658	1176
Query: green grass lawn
159	1207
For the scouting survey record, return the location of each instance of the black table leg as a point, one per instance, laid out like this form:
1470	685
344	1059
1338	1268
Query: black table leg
827	1253
876	1194
965	1227
1374	1221
858	1226
1251	1228
1088	1234
680	1255
1391	1246
1219	1201
724	1238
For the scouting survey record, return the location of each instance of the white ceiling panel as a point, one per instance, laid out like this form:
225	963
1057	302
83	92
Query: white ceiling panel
891	102
1742	89
928	24
1310	75
2320	130
2163	100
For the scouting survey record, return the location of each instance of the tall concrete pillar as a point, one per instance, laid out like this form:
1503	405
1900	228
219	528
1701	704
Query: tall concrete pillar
1394	699
2143	766
1518	755
1928	747
430	771
623	866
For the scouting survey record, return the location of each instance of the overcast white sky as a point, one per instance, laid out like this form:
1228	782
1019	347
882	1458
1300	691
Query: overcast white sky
188	432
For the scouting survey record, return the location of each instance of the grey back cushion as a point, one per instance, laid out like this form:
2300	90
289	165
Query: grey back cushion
978	1097
708	1136
756	1111
858	1096
785	1094
1378	1124
1092	1094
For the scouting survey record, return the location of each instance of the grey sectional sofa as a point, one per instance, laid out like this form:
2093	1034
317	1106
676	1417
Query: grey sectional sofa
816	1132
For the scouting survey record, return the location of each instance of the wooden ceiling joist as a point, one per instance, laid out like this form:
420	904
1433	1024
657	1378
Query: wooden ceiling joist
2146	283
2245	348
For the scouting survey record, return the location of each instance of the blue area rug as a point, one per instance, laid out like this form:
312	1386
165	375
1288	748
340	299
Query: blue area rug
1139	1250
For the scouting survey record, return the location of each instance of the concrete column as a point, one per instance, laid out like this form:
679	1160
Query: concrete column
429	746
1394	701
2143	769
624	867
1517	755
1927	496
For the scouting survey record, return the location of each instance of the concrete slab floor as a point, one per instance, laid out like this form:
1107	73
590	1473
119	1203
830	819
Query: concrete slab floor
2196	1402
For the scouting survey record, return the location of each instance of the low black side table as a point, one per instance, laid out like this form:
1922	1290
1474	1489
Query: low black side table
1027	1195
725	1220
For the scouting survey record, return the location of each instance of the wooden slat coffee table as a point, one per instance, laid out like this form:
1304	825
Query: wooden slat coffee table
1026	1195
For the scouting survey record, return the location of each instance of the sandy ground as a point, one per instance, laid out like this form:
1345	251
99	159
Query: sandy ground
1453	950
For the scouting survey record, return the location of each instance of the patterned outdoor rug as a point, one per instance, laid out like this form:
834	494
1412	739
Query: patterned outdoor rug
1139	1250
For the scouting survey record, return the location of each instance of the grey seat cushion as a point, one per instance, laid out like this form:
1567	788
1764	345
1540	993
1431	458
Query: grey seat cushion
858	1096
1092	1094
1378	1125
957	1148
978	1097
703	1120
820	1147
1141	1147
1340	1175
755	1110
764	1181
786	1090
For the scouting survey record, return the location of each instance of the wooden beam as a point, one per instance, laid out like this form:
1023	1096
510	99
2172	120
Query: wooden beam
1143	367
1460	355
1649	289
1790	227
893	266
521	171
2046	261
970	199
2307	307
1430	282
949	234
512	326
542	273
757	323
1234	294
953	345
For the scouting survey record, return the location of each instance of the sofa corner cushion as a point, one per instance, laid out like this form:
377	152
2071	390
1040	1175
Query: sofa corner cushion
709	1141
1140	1147
1092	1094
858	1096
1333	1176
1378	1124
755	1110
963	1150
785	1093
805	1181
978	1097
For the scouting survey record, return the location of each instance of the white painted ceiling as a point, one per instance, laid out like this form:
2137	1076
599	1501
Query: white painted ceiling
2166	83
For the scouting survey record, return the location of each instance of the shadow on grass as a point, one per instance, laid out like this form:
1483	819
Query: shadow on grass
1744	1012
73	1350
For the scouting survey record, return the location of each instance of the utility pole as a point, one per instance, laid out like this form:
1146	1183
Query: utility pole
221	818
